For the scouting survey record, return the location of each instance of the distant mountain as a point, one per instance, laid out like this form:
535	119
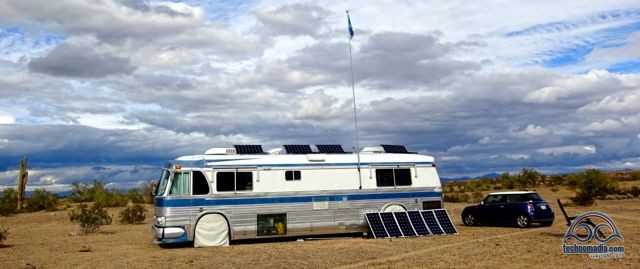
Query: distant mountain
490	175
62	194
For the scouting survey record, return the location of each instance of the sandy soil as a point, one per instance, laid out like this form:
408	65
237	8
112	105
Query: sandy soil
49	240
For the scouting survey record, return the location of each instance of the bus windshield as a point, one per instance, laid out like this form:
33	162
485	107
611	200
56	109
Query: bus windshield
162	184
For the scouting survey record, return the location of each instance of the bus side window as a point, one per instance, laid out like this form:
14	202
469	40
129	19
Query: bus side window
234	181
402	176
291	175
244	181
384	177
180	183
393	177
225	181
200	184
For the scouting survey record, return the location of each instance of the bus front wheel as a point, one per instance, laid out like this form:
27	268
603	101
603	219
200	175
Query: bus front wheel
212	230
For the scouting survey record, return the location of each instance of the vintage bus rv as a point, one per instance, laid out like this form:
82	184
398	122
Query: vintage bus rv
243	193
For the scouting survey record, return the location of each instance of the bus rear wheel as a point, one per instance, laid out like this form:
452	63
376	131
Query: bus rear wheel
212	230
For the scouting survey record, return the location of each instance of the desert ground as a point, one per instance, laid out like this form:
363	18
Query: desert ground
50	240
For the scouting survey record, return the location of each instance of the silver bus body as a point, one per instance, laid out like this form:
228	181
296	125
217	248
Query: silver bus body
279	195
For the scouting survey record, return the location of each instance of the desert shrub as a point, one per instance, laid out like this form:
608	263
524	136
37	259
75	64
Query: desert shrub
142	195
4	232
456	197
635	191
554	189
476	197
42	200
529	178
132	214
91	218
108	198
506	180
81	192
8	202
593	183
635	176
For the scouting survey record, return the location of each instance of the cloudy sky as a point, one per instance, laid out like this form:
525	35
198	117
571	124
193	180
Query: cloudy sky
111	89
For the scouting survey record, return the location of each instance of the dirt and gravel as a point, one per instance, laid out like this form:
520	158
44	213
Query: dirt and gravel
50	240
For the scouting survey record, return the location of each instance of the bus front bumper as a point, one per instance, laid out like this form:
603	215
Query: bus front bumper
169	234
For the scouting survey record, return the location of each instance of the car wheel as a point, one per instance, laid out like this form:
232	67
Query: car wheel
546	223
469	220
523	221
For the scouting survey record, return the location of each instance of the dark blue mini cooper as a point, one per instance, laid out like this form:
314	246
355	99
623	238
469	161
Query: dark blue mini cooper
521	208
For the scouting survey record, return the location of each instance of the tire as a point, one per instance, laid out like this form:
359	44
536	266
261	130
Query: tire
522	221
469	220
546	223
394	208
212	230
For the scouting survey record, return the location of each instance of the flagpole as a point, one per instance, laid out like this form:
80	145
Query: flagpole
353	91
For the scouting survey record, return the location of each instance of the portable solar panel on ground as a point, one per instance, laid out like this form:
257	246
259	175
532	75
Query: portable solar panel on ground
298	149
376	226
431	222
390	224
248	149
394	149
410	223
330	148
445	221
418	223
404	223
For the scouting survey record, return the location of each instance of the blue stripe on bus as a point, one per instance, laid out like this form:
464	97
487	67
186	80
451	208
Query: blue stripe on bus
163	202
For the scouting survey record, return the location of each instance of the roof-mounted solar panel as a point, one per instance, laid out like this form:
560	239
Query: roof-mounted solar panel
297	149
330	148
248	149
394	149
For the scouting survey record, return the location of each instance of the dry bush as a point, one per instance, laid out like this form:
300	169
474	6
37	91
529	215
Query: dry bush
90	219
132	214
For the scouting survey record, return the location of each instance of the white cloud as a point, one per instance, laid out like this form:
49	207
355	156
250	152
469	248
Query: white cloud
320	106
605	126
629	102
517	156
573	149
7	119
546	95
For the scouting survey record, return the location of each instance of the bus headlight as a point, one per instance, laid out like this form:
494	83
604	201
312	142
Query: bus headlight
438	189
159	221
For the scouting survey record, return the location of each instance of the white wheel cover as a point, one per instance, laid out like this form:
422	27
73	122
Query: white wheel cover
394	208
211	231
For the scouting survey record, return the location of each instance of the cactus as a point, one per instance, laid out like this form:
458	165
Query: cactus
22	182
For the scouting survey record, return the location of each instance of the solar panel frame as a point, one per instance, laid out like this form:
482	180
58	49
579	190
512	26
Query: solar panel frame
330	148
394	148
297	149
248	149
404	223
445	221
431	221
418	223
376	226
391	224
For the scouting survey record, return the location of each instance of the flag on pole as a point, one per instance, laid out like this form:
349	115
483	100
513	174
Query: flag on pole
350	27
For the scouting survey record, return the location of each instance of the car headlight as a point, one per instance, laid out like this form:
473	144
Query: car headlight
159	221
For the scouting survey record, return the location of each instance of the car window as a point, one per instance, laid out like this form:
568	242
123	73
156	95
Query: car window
533	197
514	198
494	199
